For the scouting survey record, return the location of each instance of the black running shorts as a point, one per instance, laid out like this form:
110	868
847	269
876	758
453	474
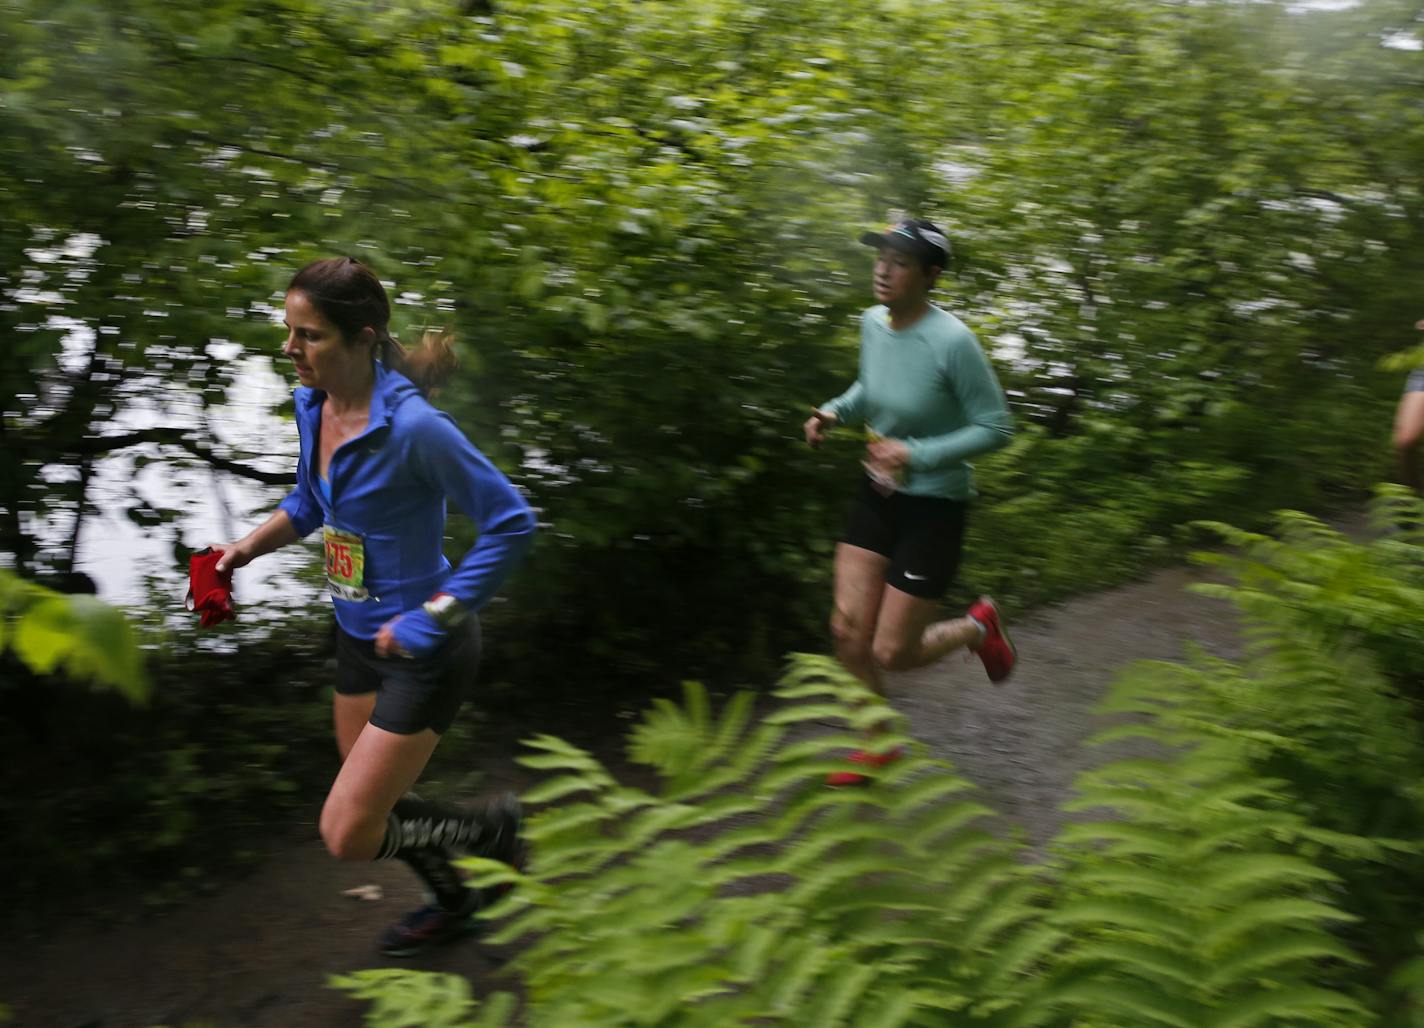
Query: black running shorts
922	535
412	693
1415	382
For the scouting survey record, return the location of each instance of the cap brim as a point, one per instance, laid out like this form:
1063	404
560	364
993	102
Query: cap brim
880	240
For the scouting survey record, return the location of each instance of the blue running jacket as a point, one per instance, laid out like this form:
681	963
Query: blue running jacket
388	488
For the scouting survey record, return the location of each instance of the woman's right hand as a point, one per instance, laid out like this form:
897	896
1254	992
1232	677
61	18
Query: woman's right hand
817	425
234	556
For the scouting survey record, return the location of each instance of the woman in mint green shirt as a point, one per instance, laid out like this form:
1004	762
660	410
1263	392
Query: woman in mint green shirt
930	401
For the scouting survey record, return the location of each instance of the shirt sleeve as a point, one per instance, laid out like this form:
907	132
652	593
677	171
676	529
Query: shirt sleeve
301	504
988	425
442	455
850	405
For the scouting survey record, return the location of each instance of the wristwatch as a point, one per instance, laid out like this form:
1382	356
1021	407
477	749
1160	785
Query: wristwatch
445	610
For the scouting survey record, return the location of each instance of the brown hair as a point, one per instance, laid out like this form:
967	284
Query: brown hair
351	297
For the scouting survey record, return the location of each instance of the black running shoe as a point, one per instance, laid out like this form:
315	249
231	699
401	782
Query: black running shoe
427	927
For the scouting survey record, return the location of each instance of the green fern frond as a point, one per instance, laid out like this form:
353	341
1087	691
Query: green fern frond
1230	872
1270	911
497	1010
1122	838
887	1012
1302	1004
1163	963
409	999
1150	917
754	750
1271	955
835	1002
561	788
1139	1004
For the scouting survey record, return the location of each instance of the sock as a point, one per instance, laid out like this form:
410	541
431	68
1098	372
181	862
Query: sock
416	824
983	629
433	867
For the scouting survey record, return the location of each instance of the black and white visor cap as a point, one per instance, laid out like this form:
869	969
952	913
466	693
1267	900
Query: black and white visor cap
920	239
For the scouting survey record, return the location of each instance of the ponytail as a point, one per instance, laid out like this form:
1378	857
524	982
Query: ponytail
429	364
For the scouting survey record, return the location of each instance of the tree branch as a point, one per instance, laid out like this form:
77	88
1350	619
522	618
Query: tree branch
88	446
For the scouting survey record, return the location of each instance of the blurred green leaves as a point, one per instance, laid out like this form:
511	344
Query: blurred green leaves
77	635
1189	232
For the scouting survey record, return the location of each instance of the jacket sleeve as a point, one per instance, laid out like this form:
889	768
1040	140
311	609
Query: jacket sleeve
441	455
988	425
301	504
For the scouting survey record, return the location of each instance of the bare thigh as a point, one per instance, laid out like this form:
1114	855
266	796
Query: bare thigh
349	715
1409	420
380	768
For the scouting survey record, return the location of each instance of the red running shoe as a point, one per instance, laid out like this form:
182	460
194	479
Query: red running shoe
870	760
995	649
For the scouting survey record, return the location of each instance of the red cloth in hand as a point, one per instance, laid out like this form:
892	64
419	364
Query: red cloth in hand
209	590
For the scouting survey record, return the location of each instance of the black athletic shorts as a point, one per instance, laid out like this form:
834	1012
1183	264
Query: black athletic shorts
412	693
1415	382
922	535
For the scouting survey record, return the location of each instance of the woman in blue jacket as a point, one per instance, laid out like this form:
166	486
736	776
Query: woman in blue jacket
377	465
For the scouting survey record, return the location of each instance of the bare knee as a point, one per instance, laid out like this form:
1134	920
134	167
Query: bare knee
348	837
852	640
1406	441
895	654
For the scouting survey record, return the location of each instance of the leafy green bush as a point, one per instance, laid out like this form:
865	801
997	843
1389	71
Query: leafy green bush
745	891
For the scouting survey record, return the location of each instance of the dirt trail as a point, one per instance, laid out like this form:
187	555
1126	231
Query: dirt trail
258	952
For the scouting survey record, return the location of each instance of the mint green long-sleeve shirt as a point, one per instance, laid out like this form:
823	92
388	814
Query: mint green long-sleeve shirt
931	387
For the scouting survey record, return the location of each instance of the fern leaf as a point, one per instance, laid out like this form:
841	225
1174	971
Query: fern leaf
1140	1003
1145	959
409	999
1231	872
845	990
805	960
497	1010
1304	1003
1150	918
561	788
888	1012
804	712
1259	957
1274	911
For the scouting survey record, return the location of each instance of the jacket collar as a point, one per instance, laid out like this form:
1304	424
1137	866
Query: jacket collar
390	391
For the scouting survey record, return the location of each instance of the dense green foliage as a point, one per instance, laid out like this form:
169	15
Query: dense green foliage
1251	869
1189	230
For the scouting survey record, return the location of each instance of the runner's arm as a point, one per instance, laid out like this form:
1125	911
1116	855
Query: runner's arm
442	455
274	533
296	517
848	406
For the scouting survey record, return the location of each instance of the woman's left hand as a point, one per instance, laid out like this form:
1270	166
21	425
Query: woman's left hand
889	455
386	645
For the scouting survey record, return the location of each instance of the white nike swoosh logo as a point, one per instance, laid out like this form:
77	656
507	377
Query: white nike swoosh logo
917	578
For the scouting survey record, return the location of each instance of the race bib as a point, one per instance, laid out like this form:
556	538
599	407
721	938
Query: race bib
345	564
